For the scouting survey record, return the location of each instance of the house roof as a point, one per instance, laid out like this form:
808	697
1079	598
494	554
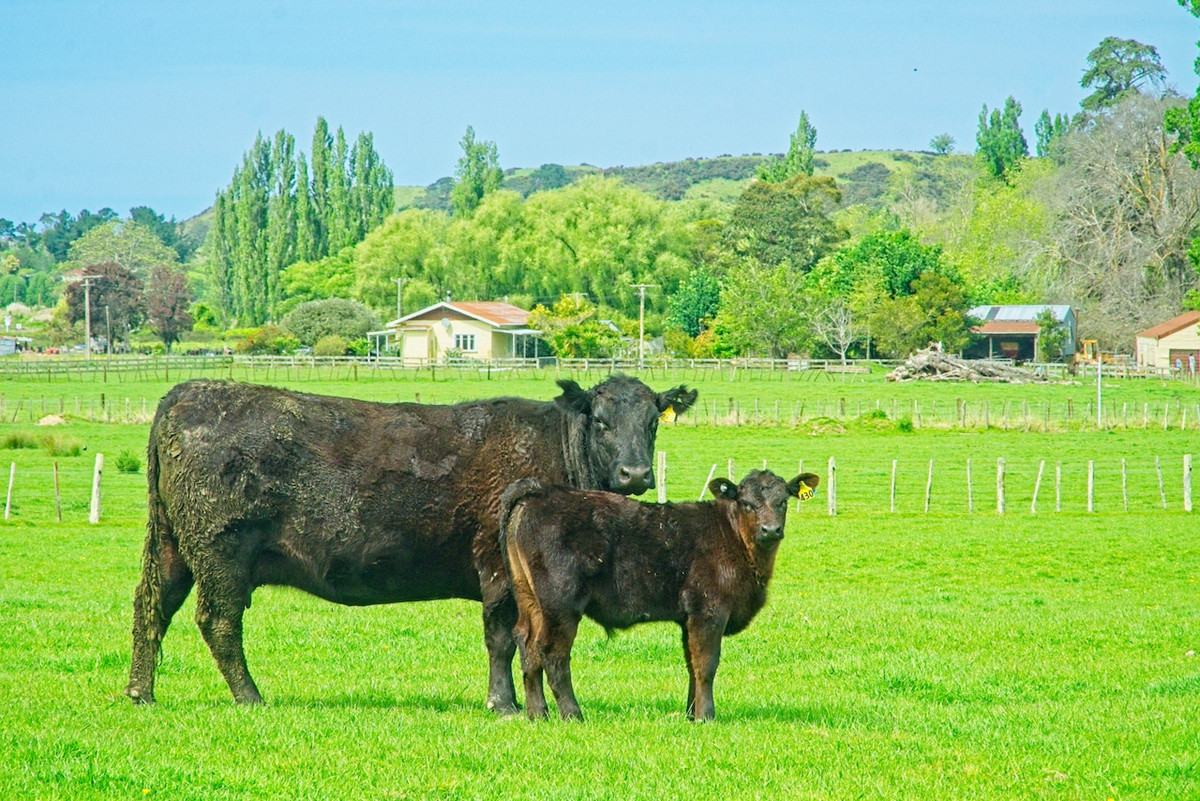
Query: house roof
1026	313
1171	326
1006	327
495	313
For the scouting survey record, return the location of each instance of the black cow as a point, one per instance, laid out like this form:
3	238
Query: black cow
620	562
361	503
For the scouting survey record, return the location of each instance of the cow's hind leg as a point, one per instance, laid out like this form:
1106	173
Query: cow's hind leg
165	584
531	664
499	618
222	595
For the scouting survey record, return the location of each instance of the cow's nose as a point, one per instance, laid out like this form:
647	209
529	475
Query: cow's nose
637	479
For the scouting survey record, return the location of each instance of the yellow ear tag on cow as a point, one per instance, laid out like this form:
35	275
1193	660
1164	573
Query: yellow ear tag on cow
807	493
668	415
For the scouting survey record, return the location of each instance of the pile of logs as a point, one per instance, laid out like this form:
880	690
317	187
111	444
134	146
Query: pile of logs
934	365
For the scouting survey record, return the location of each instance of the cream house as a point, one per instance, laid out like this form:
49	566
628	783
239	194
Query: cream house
466	329
1173	343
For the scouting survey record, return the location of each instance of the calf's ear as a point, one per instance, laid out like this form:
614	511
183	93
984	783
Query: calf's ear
803	484
574	397
678	399
723	488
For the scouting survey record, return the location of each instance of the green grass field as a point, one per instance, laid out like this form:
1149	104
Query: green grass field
901	655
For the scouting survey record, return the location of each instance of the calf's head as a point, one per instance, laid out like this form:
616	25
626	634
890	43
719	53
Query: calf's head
619	420
758	506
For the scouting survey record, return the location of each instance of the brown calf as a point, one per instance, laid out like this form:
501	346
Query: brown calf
620	562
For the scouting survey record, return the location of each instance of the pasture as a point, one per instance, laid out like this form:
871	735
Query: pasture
954	653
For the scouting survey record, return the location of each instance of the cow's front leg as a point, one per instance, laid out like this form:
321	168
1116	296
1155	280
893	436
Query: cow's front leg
704	654
499	618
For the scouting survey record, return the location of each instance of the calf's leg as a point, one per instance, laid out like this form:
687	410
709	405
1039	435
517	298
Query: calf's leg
165	584
704	653
531	664
555	646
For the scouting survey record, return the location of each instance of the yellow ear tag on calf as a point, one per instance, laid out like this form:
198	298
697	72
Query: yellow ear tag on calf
668	415
807	493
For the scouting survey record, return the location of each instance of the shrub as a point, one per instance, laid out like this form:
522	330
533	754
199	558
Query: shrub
312	321
18	439
127	462
59	445
330	345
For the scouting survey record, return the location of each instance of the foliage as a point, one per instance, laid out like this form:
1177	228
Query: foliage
866	183
1049	132
545	178
131	245
571	329
784	223
672	180
62	445
1001	144
1117	67
942	144
478	172
267	340
694	305
330	345
799	158
128	462
761	309
935	312
168	297
1052	336
272	215
1184	123
116	299
310	322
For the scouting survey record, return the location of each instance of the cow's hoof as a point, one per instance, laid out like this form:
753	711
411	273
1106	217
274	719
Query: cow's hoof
504	709
138	697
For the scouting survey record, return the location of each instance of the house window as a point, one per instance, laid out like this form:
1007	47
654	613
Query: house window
465	342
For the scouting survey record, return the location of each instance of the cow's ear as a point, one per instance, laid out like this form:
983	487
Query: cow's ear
574	397
678	399
723	488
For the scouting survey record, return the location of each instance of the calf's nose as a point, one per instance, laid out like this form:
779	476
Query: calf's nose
769	533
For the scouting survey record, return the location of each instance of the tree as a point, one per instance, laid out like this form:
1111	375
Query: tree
478	173
132	245
311	321
1052	336
1126	213
169	231
168	297
1117	67
1050	132
799	158
776	223
942	144
762	309
696	303
934	312
834	325
1001	144
1184	123
572	330
116	298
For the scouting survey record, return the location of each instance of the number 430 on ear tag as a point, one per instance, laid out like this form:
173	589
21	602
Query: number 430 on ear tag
668	415
807	493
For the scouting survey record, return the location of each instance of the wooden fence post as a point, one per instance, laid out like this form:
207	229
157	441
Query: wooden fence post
1037	485
832	493
662	476
94	510
928	486
1000	486
1162	493
1187	482
1091	486
12	477
711	471
970	492
894	485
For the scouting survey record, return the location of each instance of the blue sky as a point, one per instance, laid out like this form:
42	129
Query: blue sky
145	102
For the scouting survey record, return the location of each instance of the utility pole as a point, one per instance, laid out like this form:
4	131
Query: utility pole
641	288
87	315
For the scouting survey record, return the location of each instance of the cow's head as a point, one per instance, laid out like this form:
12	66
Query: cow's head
620	422
758	506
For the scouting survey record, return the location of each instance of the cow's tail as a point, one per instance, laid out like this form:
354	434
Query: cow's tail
515	493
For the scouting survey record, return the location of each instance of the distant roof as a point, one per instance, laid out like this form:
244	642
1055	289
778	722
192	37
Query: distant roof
1171	326
1018	313
493	312
1006	327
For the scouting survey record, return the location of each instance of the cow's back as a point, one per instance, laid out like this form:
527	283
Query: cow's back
354	501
